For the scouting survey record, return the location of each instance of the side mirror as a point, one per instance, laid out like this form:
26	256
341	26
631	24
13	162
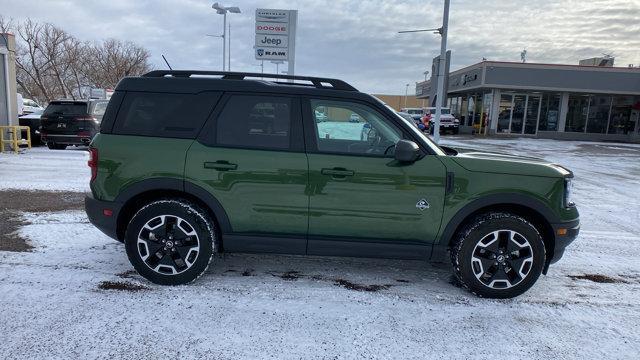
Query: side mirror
407	151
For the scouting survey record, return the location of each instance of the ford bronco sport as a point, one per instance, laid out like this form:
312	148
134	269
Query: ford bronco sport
192	163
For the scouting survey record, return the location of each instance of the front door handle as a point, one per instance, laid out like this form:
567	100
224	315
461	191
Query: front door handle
220	165
337	172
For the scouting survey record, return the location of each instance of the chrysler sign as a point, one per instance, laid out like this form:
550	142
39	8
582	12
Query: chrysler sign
275	35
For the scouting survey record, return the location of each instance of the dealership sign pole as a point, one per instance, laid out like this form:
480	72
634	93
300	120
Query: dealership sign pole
275	36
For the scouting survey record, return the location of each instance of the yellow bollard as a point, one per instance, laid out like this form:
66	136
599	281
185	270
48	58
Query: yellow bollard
15	137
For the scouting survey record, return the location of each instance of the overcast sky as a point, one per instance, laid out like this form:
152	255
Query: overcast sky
357	40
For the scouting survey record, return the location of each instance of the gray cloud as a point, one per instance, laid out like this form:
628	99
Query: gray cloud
358	40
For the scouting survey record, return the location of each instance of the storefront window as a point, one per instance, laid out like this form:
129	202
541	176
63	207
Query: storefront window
577	113
549	112
487	101
504	113
471	105
621	108
598	114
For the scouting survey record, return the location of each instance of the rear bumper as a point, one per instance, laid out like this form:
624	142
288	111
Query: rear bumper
565	234
66	139
96	213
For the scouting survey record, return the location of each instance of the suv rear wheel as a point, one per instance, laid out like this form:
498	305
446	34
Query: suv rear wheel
498	255
170	242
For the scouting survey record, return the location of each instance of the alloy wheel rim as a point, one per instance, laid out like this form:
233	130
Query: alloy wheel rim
168	244
502	259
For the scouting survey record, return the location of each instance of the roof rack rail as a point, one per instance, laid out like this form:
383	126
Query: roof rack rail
320	83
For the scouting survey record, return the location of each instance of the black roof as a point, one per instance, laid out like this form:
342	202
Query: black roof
195	81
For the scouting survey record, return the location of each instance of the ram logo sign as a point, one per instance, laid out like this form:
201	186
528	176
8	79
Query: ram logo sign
271	54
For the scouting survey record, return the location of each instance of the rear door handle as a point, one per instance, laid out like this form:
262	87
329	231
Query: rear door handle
337	172
220	165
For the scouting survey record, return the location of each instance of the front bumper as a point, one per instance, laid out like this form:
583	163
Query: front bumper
98	213
565	234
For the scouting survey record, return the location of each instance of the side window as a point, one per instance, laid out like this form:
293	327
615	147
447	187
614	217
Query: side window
164	114
100	107
255	122
345	127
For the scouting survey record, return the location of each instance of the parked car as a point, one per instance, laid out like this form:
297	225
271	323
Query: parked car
182	168
448	123
416	113
29	106
406	116
71	122
32	120
354	118
320	116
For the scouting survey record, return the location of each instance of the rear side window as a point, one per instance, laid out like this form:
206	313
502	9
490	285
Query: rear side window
99	108
66	108
255	122
164	114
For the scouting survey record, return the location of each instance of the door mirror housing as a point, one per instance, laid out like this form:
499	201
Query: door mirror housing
407	151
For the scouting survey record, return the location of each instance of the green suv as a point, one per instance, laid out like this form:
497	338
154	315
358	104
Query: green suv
192	163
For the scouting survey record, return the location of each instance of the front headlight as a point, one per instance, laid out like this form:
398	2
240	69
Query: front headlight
568	190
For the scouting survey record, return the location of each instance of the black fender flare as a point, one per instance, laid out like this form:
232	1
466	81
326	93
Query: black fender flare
492	200
180	185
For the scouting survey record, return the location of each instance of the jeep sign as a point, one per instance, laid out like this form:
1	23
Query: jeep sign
275	35
272	41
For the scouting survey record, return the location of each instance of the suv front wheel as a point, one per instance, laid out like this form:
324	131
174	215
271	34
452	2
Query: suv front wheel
498	255
170	242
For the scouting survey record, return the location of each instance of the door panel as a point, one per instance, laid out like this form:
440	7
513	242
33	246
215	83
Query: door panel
261	191
374	198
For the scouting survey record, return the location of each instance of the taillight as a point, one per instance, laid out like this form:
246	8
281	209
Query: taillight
93	162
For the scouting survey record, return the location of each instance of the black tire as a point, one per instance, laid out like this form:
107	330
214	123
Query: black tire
54	146
478	247
178	250
455	131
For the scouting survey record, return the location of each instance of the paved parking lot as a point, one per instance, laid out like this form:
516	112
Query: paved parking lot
74	294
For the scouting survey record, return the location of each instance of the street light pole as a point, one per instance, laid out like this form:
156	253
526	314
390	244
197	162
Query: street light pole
224	40
440	95
222	10
406	93
441	68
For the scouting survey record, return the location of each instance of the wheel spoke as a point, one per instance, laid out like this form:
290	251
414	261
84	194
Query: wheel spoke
155	257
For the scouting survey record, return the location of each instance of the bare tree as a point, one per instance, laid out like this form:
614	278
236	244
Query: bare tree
113	59
52	63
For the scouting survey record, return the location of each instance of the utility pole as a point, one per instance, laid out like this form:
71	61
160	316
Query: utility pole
229	64
441	68
406	92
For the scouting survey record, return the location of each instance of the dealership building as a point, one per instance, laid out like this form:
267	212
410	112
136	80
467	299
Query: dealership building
574	102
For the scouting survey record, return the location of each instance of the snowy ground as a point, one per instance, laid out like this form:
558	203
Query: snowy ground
44	169
285	307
